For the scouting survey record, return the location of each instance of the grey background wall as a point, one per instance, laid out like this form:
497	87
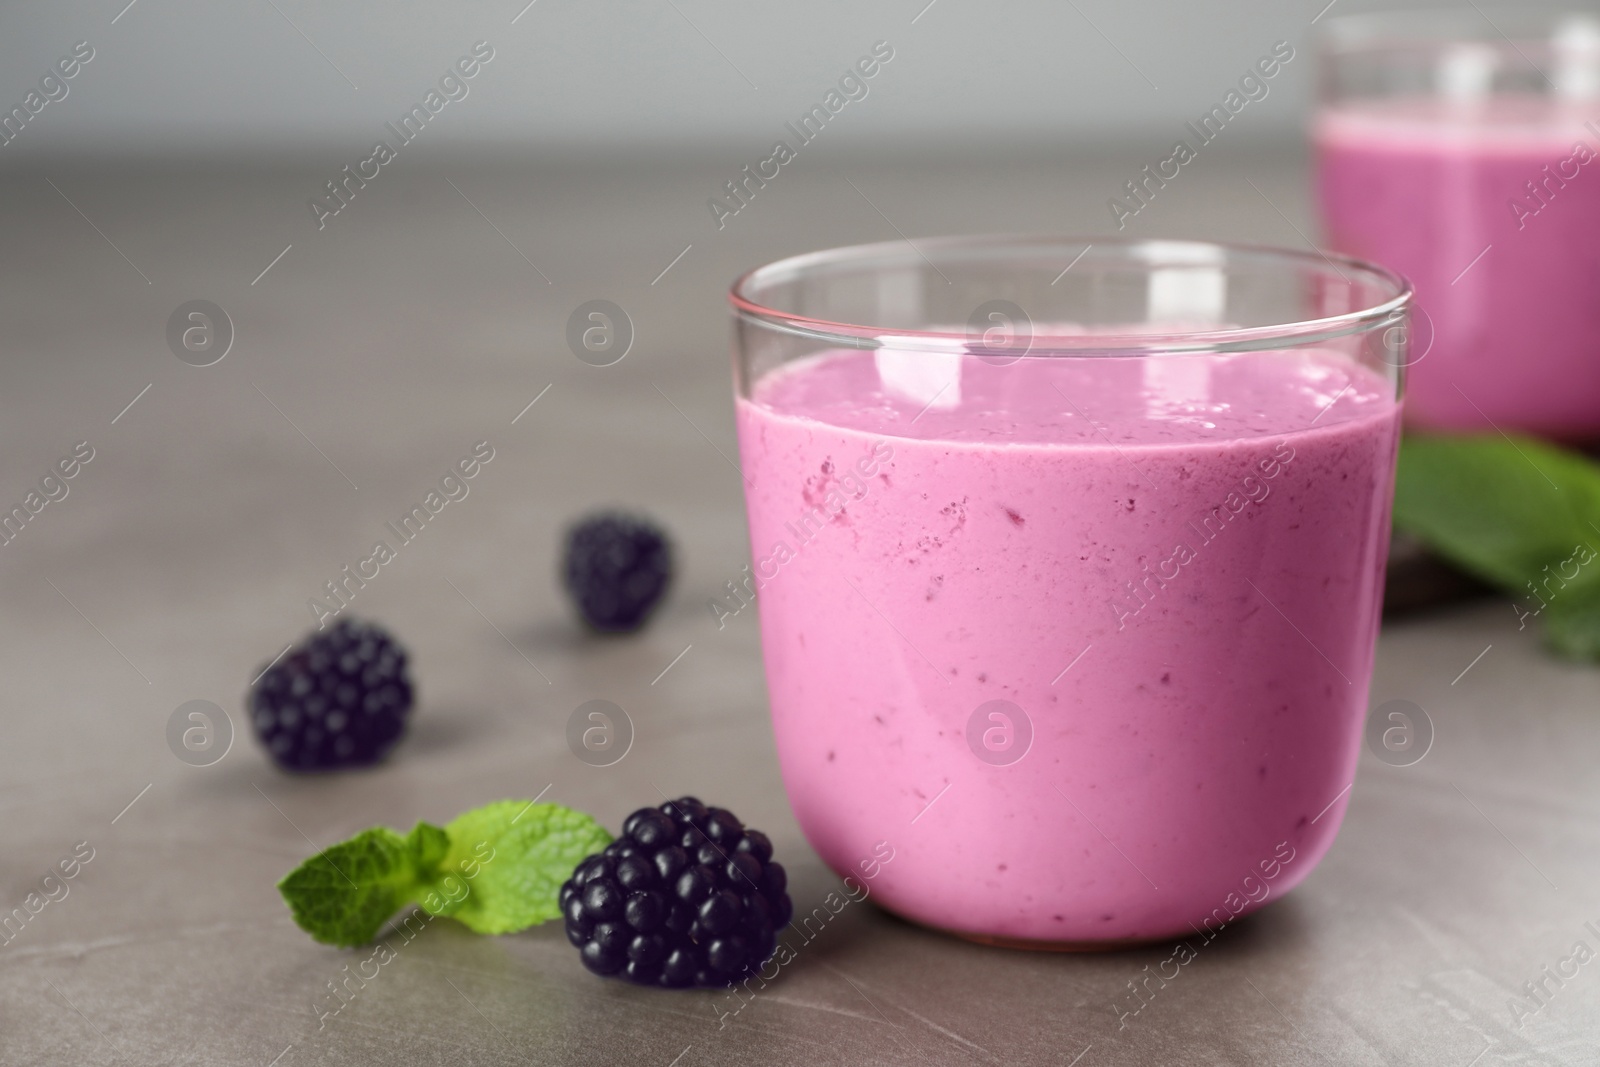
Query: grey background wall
198	77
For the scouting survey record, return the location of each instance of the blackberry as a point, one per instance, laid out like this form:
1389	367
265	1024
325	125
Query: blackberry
616	569
685	897
340	698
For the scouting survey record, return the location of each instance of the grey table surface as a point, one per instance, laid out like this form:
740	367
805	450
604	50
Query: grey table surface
367	360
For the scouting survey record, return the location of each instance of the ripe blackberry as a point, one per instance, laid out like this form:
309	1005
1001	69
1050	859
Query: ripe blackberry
340	698
616	569
685	897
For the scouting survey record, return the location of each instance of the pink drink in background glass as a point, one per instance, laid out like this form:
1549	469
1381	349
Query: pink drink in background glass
1169	565
1434	160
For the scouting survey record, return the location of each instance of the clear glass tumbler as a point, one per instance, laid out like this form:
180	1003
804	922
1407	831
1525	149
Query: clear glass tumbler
1459	149
1069	563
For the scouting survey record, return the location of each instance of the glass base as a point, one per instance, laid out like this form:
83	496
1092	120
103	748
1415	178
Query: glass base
1031	945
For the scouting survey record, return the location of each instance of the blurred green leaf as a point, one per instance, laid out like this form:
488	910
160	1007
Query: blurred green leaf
1519	513
1572	627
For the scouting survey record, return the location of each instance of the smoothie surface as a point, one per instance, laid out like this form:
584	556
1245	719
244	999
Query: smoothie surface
1492	125
1162	400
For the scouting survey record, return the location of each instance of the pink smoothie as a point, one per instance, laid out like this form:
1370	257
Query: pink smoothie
1181	595
1424	187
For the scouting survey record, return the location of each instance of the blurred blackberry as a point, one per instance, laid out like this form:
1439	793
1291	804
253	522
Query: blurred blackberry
340	698
616	568
685	897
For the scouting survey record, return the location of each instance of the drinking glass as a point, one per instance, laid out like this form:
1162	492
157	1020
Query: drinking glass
1068	559
1459	150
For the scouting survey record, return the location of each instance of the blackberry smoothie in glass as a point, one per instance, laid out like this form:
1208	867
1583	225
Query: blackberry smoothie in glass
1466	159
1069	583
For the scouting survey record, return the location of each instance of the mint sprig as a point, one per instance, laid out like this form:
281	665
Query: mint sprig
1519	513
496	869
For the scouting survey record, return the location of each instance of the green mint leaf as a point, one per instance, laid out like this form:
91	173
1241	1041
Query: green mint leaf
510	858
1572	626
344	894
498	869
1501	508
429	844
1519	513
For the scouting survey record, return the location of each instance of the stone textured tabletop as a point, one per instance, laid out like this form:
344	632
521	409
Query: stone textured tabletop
371	355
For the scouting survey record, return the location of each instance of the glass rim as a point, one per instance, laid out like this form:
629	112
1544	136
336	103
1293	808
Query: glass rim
998	248
1502	27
